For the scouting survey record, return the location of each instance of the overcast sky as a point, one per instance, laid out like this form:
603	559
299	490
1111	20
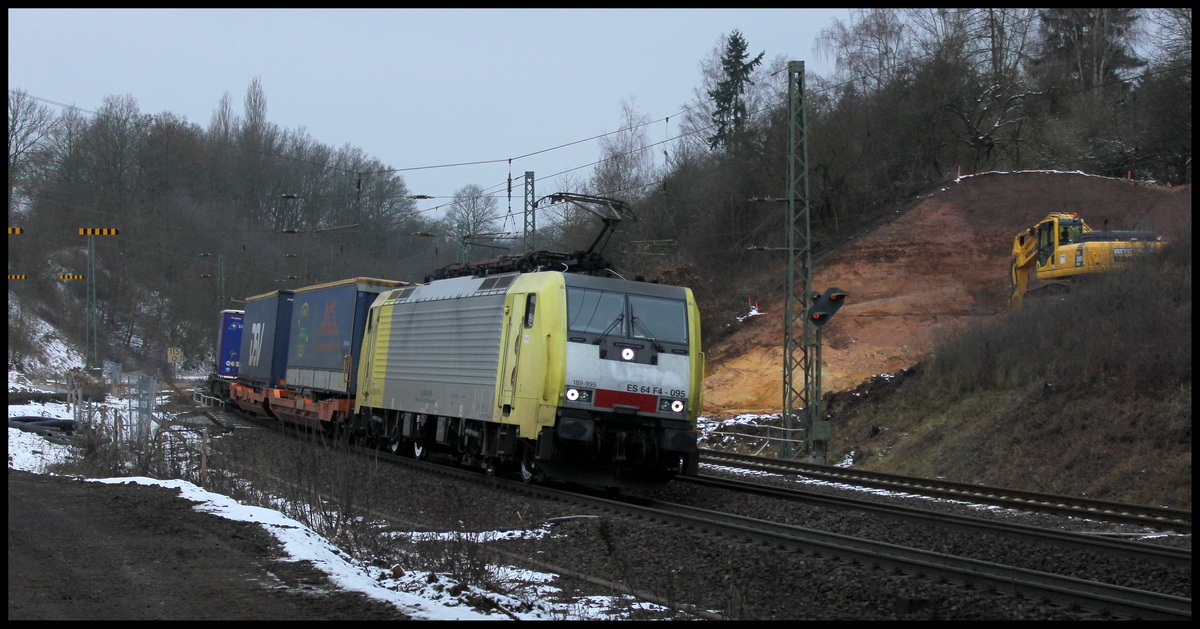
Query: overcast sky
413	88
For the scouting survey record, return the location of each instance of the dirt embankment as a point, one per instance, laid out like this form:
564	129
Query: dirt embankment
79	550
940	263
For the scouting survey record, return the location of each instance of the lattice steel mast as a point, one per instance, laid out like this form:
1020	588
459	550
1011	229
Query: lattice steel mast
530	219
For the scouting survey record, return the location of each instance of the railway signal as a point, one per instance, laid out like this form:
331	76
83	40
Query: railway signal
824	306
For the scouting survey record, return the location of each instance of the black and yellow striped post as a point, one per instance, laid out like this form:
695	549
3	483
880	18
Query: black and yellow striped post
17	231
66	276
92	343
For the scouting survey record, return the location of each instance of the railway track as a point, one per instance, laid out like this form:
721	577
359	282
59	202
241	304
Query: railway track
1064	590
1070	591
1155	517
1134	550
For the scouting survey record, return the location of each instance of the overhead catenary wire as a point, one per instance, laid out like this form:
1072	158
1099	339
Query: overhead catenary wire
858	78
861	77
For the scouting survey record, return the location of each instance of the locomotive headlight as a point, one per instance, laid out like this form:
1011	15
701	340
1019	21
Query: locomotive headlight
575	394
668	405
627	353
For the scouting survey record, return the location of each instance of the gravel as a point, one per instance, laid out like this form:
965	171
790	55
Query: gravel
741	580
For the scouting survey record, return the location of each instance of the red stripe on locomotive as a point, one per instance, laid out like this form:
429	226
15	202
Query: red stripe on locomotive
645	403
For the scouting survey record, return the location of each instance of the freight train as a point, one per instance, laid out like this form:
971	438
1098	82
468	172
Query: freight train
543	374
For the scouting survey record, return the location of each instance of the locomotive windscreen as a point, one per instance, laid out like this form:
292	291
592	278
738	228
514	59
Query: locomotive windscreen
594	310
599	312
662	319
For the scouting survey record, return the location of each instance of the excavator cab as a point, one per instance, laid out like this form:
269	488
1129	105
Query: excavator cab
1055	233
1062	248
1046	245
1070	231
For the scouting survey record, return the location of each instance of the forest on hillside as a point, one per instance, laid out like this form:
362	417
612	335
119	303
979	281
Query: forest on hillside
211	214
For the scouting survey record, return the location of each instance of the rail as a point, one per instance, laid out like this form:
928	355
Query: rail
1159	517
788	436
1136	550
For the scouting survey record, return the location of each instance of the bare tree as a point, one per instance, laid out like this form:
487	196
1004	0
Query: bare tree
115	140
471	213
969	61
992	41
626	164
1174	36
258	140
31	127
224	123
872	49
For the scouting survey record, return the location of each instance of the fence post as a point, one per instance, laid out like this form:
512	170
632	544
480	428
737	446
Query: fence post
204	459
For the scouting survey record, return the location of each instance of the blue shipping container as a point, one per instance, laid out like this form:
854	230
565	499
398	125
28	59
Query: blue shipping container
327	330
264	347
229	342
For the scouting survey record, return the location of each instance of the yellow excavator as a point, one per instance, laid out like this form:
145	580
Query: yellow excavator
1062	247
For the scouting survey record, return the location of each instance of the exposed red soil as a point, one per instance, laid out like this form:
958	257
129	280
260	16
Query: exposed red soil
942	262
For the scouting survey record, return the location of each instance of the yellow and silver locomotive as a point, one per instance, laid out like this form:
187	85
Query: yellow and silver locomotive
561	374
567	376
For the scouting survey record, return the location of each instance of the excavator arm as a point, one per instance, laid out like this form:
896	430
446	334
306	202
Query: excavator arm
1024	255
1062	248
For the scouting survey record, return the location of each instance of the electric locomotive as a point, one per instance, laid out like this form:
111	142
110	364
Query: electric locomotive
562	374
573	377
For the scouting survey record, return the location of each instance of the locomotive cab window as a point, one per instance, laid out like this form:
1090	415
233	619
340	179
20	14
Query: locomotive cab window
595	311
530	303
663	320
610	314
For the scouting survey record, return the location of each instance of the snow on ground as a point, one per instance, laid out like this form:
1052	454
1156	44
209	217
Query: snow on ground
420	594
412	593
50	355
754	312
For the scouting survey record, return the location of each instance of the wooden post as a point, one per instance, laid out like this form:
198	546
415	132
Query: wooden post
204	459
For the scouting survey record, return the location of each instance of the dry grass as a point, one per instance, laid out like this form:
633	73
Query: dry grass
1085	393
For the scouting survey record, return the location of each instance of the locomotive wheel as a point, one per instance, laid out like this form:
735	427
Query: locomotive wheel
419	451
393	445
530	473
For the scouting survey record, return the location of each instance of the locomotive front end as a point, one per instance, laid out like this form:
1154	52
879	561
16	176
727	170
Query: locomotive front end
632	385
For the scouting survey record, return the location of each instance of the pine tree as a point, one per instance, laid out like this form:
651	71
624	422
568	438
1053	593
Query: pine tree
727	96
1090	46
